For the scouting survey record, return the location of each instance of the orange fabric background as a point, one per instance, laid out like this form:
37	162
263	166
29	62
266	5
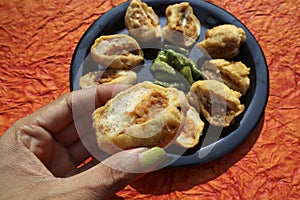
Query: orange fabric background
37	40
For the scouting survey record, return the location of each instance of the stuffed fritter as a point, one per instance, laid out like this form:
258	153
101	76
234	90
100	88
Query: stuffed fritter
216	102
118	51
110	76
223	41
142	22
183	27
145	115
192	129
233	74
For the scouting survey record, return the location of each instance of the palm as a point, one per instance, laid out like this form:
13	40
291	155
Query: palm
46	145
51	134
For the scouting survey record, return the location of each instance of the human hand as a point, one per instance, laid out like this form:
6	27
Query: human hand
40	153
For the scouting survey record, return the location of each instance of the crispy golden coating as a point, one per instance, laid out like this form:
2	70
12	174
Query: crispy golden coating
117	51
146	115
233	74
110	76
142	22
183	27
216	102
192	129
223	41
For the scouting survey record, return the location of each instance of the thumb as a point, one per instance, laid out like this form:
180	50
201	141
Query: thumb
117	171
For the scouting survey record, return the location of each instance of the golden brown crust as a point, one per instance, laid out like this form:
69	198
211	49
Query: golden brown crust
142	22
217	102
110	76
118	51
183	27
192	129
223	41
233	74
146	115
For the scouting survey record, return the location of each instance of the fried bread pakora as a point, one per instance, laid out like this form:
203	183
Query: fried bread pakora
223	41
233	74
183	27
145	115
216	102
192	129
110	76
142	22
118	51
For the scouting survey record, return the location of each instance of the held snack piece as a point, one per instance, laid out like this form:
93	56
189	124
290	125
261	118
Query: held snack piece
217	102
117	52
192	129
145	115
233	74
223	41
142	22
183	27
110	76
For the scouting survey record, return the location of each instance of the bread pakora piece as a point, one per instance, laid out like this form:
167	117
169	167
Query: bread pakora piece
216	102
110	76
145	115
118	51
183	27
223	41
142	22
233	74
192	129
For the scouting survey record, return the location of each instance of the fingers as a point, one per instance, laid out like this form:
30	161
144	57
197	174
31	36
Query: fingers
106	92
76	130
85	101
116	172
78	153
61	112
51	153
67	136
78	136
79	104
38	141
88	165
61	164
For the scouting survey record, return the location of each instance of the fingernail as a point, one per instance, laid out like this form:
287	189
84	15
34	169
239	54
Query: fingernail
152	157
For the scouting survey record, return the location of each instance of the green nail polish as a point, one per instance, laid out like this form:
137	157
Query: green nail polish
152	157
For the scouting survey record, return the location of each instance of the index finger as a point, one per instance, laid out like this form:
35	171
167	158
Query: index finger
61	112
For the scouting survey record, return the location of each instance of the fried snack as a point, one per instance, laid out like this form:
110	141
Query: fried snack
192	129
145	115
117	51
142	22
233	74
183	27
223	41
216	102
110	76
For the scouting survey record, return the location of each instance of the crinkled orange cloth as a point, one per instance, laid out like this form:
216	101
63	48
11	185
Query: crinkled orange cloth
38	38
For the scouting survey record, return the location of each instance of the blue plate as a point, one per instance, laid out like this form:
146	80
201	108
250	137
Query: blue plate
255	100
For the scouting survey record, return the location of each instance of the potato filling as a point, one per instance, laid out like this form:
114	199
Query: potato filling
122	49
108	76
117	46
149	108
223	77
